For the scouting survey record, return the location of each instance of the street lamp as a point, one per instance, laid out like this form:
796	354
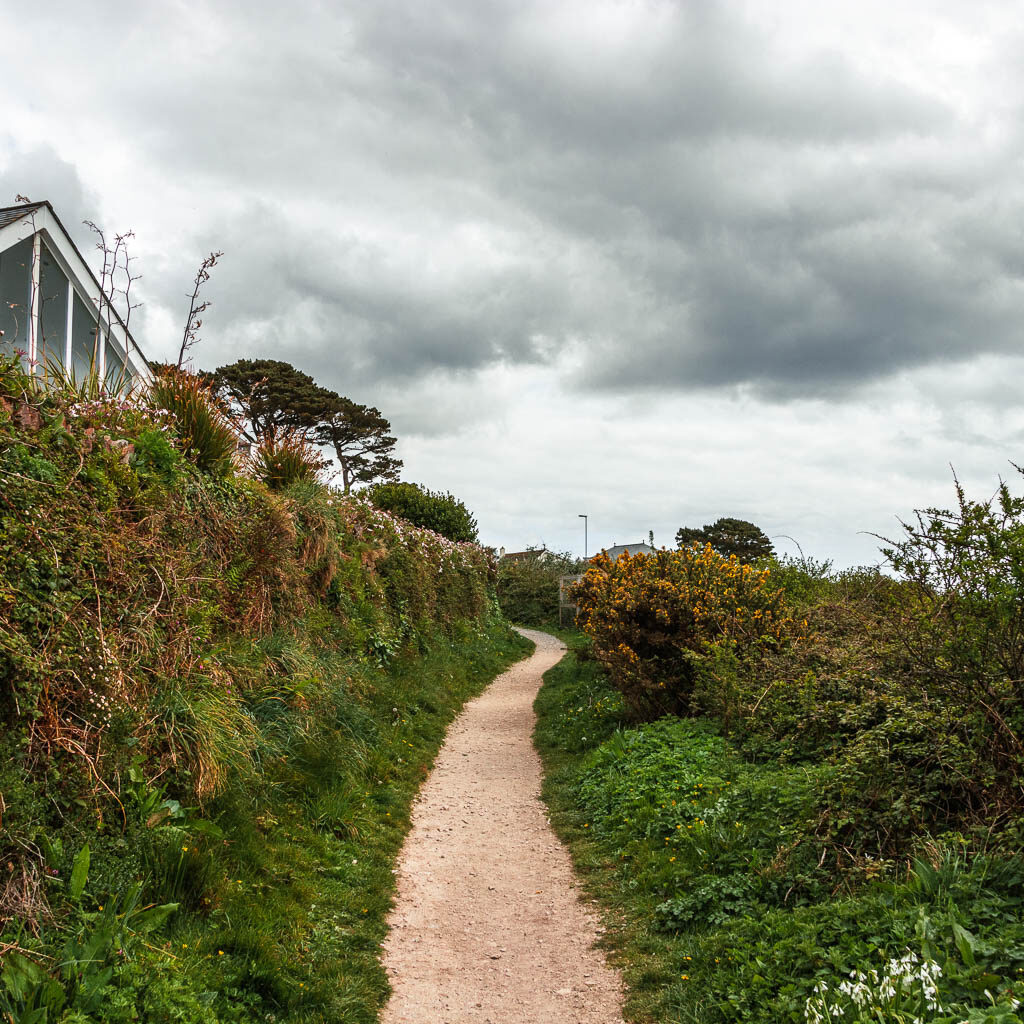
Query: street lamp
584	518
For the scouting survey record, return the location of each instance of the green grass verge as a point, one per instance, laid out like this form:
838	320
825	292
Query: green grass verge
284	885
314	868
708	872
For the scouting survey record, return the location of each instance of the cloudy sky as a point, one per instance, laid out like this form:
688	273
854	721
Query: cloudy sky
655	262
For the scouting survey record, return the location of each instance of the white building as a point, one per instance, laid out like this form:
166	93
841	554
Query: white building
50	308
616	550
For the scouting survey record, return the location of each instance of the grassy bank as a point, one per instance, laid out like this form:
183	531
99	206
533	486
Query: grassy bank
711	866
217	698
283	918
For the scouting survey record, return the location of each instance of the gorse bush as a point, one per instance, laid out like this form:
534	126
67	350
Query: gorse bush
837	835
657	619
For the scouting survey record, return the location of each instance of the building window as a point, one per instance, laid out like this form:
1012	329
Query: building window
85	358
15	294
115	367
53	314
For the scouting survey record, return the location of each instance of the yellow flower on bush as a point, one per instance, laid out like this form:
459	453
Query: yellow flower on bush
656	619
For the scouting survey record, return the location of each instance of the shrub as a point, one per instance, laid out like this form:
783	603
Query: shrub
174	646
527	587
285	459
155	455
963	631
432	510
208	437
656	620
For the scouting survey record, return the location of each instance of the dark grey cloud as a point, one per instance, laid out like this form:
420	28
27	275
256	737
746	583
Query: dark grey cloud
351	315
683	199
38	172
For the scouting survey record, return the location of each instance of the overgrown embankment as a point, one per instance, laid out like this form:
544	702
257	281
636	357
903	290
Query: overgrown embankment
798	793
217	701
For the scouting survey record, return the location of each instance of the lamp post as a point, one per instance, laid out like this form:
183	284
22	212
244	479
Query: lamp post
584	518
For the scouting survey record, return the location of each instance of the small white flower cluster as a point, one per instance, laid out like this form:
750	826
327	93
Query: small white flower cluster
907	983
379	523
99	704
111	403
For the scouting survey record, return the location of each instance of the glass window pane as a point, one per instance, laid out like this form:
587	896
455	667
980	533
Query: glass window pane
115	366
15	285
53	312
84	358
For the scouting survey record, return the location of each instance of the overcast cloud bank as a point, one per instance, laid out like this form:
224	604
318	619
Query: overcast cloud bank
657	262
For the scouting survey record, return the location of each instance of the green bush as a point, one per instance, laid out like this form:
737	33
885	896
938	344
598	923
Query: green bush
431	510
528	587
229	695
731	904
962	634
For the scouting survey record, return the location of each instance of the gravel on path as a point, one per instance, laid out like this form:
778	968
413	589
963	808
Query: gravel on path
488	926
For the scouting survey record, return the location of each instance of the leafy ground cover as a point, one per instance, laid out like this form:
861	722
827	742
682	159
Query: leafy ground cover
217	698
722	887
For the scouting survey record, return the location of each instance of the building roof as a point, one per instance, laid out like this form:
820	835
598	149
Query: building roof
9	214
523	556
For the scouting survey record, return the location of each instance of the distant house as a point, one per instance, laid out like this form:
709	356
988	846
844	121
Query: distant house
530	555
634	549
50	300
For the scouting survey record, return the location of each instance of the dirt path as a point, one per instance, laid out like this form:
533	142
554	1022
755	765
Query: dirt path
488	927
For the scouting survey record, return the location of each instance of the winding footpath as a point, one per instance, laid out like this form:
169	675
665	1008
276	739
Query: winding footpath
488	926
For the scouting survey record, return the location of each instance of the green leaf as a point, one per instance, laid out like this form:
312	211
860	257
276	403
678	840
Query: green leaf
152	918
207	828
965	943
53	849
52	997
21	976
79	873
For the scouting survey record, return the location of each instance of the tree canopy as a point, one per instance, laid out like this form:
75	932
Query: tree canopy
362	442
273	395
728	537
279	401
443	513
